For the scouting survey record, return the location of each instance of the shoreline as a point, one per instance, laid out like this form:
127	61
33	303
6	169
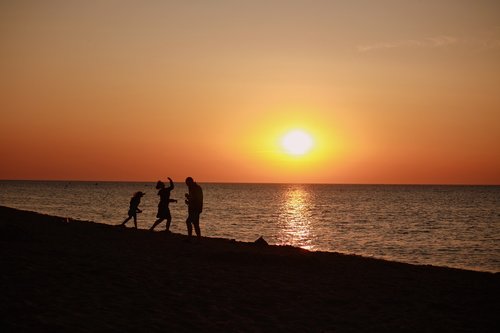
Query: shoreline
366	256
86	276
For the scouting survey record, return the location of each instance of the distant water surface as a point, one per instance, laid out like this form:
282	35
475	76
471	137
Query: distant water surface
455	226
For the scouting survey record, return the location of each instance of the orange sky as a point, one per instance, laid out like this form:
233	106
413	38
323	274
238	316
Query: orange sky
391	91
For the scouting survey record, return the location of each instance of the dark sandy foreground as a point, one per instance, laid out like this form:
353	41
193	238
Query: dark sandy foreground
82	276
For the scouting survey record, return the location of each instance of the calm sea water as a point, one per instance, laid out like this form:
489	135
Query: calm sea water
455	226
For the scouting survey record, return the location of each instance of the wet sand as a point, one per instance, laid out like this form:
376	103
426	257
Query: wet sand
76	276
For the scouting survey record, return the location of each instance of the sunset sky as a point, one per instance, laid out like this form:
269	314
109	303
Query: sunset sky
387	91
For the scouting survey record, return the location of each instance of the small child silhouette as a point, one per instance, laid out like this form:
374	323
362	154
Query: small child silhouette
134	208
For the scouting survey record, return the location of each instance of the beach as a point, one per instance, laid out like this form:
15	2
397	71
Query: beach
60	274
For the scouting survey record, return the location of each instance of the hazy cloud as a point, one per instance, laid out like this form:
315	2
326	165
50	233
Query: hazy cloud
488	44
490	41
431	42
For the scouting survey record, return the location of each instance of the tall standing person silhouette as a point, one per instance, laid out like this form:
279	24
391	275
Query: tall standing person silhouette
194	201
163	209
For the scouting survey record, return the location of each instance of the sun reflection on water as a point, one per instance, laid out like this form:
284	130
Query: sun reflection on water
295	218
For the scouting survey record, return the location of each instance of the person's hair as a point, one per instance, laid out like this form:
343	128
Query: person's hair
160	184
189	180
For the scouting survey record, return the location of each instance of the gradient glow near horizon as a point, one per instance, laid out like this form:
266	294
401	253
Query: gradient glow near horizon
390	91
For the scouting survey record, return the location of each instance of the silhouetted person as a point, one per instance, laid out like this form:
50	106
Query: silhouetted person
134	208
163	210
194	200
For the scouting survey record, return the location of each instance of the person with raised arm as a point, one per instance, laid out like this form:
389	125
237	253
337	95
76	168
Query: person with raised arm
163	209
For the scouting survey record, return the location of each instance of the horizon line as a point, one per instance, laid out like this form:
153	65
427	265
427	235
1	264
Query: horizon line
256	182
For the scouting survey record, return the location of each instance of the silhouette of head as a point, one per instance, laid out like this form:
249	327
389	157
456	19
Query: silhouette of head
160	184
139	194
189	181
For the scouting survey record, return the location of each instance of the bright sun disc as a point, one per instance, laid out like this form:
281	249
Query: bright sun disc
297	142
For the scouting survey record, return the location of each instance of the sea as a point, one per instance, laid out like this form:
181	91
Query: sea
453	226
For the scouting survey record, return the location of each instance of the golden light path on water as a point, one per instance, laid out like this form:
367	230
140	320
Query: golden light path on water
294	219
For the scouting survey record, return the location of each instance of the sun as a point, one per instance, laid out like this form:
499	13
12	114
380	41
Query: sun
297	142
